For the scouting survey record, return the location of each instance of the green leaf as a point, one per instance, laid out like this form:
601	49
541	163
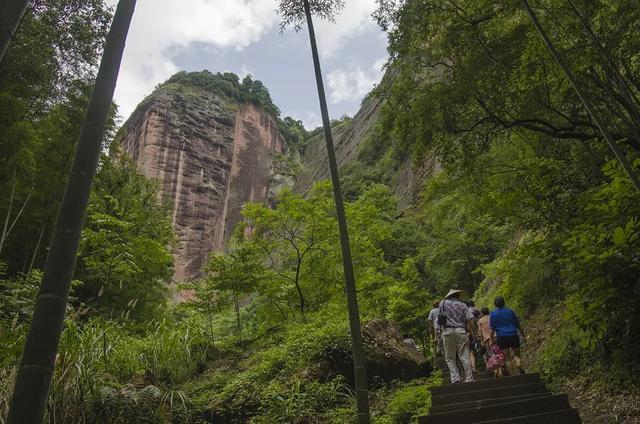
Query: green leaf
619	236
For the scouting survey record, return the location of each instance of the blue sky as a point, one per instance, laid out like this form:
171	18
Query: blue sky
242	36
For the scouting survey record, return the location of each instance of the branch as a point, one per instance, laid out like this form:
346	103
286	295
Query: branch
539	125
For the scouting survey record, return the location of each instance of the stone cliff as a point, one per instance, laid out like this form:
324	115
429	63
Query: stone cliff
211	155
407	177
347	138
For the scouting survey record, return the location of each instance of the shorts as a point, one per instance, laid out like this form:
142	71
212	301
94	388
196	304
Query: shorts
506	342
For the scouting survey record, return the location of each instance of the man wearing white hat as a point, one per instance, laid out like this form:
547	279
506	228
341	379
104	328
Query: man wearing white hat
455	318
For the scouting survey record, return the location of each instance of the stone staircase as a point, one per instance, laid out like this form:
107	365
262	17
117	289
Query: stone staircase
488	400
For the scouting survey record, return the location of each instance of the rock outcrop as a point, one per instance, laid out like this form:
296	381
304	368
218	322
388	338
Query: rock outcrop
388	357
210	155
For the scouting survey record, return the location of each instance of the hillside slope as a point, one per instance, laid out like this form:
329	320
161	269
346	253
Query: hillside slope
354	139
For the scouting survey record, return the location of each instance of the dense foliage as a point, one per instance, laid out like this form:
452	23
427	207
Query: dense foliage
124	259
228	84
530	203
256	344
124	262
45	79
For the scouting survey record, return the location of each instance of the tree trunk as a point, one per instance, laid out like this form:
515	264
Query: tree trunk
209	315
38	359
11	14
236	304
37	248
360	371
298	288
6	229
586	101
284	316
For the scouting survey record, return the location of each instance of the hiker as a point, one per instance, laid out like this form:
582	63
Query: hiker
505	325
484	331
484	337
455	318
472	305
434	329
409	342
473	344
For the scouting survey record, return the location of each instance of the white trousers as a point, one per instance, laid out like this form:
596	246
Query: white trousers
456	343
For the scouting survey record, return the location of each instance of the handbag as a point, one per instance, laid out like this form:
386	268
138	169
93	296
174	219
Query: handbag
496	358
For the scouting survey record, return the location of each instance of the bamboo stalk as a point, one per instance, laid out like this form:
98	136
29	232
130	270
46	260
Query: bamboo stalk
359	360
11	14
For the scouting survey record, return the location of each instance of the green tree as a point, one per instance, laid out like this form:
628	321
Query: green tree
599	261
38	359
45	85
237	273
59	42
491	74
294	133
124	261
586	100
208	300
289	236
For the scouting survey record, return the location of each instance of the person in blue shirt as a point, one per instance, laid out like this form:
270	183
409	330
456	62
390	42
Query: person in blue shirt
505	326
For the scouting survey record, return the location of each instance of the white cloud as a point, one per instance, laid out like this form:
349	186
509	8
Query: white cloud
310	120
354	82
245	71
162	27
352	21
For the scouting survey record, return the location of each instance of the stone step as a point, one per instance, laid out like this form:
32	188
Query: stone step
517	380
485	375
481	375
567	416
481	403
489	394
517	408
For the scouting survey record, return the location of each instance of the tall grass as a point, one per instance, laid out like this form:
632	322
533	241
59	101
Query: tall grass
174	353
7	377
107	373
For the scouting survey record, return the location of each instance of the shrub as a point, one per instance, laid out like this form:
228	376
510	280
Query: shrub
409	402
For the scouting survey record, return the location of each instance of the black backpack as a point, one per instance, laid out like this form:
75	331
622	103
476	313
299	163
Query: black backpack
442	318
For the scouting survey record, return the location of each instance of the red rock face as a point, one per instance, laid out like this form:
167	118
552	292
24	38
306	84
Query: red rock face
210	157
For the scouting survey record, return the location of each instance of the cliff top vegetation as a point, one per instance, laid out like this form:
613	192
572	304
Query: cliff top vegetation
248	90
